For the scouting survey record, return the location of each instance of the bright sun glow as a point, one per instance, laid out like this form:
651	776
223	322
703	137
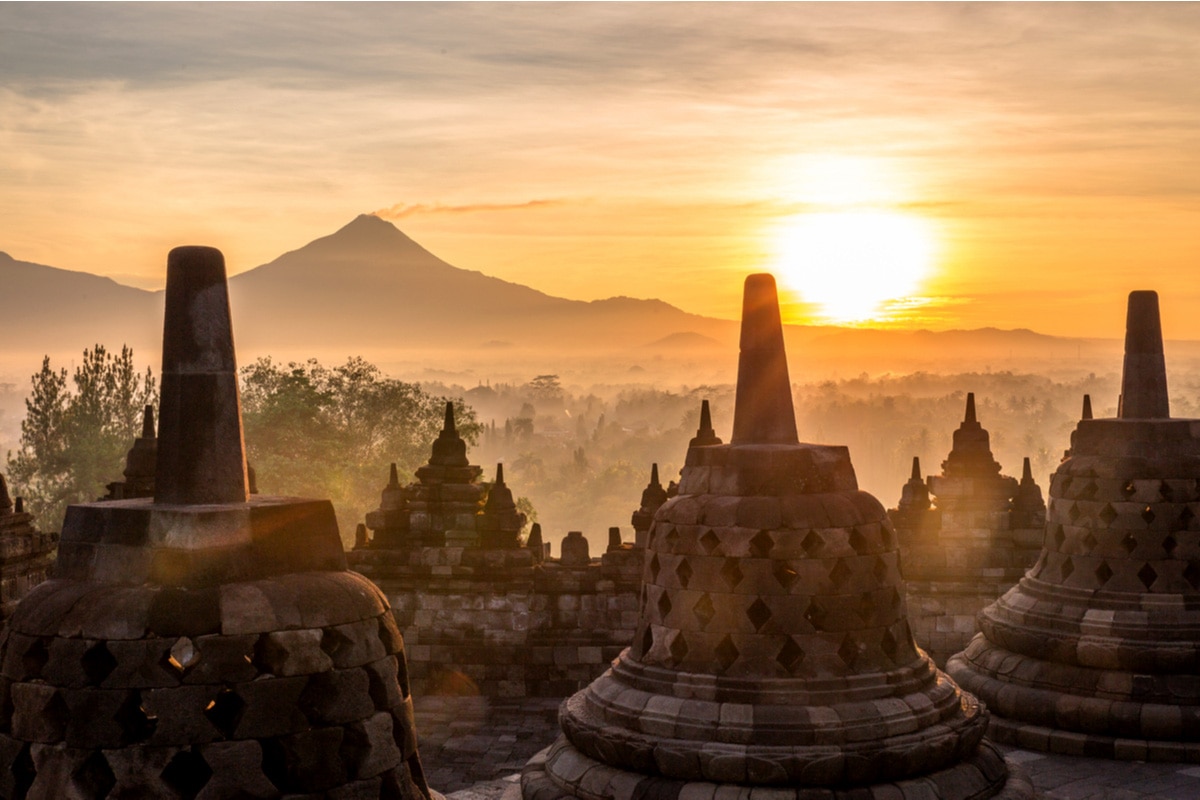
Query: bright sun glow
847	254
850	264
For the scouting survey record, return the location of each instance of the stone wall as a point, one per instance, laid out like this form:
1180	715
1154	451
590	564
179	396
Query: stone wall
492	621
26	556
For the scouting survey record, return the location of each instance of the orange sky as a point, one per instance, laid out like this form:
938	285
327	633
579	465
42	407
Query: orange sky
1051	153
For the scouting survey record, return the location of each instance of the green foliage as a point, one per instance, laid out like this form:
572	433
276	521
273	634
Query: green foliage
315	431
74	443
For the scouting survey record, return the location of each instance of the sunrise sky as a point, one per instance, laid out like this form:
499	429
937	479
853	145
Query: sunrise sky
941	166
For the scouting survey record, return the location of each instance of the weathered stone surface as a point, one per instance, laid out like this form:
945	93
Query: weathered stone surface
1098	643
772	653
186	638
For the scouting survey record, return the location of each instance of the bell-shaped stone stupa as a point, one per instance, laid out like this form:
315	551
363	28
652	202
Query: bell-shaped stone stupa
772	650
1097	650
204	643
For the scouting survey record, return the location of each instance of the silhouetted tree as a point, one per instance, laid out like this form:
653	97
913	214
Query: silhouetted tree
74	442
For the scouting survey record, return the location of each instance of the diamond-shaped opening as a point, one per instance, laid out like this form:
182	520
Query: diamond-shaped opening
790	655
784	573
1103	572
815	613
1185	517
879	569
1107	514
812	542
731	573
1089	542
889	645
1074	512
1088	491
1169	544
894	600
1066	569
1060	536
97	663
672	537
94	777
709	541
704	610
858	542
761	544
1165	491
225	711
35	658
758	613
655	567
840	573
136	724
726	652
1148	515
849	650
334	642
1147	576
678	648
684	573
664	605
187	773
1191	574
23	771
1130	543
647	640
182	656
1128	489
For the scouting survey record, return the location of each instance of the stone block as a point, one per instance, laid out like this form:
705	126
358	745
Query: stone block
294	652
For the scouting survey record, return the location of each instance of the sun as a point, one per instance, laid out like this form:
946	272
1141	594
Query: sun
851	256
851	264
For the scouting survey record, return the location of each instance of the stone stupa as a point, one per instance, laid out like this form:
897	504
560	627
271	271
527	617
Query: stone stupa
772	657
204	643
1097	650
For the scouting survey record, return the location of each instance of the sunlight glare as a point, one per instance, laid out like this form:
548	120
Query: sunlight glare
850	264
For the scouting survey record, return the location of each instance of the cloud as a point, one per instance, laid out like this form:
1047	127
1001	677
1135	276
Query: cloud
402	210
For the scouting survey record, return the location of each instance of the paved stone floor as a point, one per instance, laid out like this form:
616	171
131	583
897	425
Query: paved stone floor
472	749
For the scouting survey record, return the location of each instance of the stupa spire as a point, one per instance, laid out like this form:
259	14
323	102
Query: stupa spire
1144	377
916	469
201	452
969	416
763	413
1026	471
705	435
1087	407
148	422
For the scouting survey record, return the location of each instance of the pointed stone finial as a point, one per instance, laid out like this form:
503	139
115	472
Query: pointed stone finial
1144	378
449	450
148	422
393	478
916	469
705	435
1087	407
654	475
20	506
201	452
614	539
1026	471
970	415
763	412
499	475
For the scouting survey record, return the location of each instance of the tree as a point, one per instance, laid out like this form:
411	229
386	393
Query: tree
316	431
74	443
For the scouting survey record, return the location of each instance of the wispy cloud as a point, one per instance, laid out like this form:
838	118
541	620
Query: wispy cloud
402	210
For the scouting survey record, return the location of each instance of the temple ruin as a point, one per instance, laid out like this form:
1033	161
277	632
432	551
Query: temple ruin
26	554
204	643
1096	651
967	534
772	649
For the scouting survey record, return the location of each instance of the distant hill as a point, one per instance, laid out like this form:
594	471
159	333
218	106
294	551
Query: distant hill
370	284
369	289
